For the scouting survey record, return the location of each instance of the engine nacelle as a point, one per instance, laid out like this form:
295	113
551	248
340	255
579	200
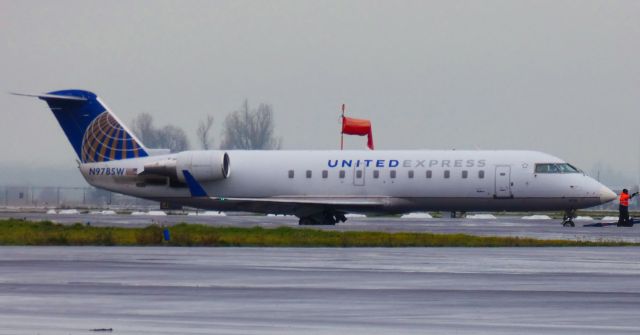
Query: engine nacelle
203	166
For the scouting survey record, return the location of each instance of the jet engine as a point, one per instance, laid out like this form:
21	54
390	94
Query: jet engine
203	166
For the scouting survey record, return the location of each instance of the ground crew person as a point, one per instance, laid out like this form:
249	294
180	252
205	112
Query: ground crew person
623	219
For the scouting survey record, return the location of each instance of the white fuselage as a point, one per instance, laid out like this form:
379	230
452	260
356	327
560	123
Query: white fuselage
402	181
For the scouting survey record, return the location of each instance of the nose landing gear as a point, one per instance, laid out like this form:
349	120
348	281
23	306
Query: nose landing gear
567	220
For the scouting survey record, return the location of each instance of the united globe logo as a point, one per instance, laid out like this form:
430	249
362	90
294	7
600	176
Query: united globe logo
106	140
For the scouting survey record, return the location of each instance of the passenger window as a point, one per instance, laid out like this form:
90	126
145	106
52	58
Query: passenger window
429	174
410	173
376	174
341	174
325	174
447	174
392	173
481	174
359	174
465	174
308	173
290	173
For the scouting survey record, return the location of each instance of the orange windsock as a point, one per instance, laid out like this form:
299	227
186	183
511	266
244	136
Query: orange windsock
360	127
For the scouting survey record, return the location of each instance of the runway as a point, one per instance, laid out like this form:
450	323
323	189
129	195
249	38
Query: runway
502	226
70	290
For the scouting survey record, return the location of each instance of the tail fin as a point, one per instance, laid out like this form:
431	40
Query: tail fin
94	132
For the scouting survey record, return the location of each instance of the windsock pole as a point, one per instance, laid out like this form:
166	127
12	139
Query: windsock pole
342	132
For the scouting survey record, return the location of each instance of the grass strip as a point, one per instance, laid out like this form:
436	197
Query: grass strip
20	232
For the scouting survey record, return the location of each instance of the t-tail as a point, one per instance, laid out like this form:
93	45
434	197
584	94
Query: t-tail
95	133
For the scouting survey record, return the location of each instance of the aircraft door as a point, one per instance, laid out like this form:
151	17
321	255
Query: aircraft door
358	175
503	182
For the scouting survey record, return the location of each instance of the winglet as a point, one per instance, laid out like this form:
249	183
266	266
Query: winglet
194	187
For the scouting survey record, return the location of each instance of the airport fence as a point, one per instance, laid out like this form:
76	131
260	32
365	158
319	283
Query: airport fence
69	197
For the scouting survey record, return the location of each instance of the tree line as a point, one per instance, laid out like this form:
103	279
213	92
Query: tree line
246	128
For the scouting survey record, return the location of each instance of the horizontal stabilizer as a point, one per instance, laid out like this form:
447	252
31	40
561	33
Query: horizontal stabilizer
51	96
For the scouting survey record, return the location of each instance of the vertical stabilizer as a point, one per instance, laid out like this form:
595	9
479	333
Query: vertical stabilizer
95	133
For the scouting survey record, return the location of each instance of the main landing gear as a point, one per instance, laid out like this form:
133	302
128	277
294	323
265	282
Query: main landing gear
324	218
567	220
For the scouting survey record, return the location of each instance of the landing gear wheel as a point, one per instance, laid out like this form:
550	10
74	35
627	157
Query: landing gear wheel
320	219
329	219
567	220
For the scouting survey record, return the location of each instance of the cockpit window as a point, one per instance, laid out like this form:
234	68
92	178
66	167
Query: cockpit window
556	168
546	168
567	168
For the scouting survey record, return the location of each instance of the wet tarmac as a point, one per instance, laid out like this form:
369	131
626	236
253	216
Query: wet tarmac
165	290
502	226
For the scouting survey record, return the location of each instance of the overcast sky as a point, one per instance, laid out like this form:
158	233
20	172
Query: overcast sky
562	77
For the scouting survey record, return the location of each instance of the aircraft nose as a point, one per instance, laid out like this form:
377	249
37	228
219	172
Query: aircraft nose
606	195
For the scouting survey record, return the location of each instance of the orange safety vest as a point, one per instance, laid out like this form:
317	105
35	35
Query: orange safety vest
624	199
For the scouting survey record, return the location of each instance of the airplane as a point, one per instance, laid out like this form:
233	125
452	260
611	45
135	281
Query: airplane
319	186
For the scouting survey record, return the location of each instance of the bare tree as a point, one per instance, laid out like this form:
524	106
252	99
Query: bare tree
168	137
142	126
250	129
173	138
204	131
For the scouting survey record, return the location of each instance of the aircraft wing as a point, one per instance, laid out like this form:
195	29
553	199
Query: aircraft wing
294	204
289	204
328	201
